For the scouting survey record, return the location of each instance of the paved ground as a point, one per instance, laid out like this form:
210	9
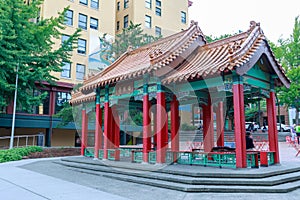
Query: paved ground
43	179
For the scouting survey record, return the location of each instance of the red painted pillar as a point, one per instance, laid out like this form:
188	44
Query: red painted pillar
220	124
98	130
239	125
161	130
106	129
146	127
272	127
154	129
83	131
111	133
116	141
208	126
174	127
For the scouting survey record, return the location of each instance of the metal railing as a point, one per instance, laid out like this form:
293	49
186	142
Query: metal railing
23	141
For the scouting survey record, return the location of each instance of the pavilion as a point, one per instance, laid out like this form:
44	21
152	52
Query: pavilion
178	70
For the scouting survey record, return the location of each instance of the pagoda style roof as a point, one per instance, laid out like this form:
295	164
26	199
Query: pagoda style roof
189	57
232	53
150	57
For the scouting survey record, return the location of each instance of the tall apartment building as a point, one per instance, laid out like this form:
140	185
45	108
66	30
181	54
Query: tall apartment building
94	17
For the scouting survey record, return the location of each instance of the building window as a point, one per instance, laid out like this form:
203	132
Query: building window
126	21
82	21
183	17
84	2
69	18
126	4
95	4
118	25
148	21
64	38
81	46
148	4
66	70
94	23
158	11
80	71
60	99
158	3
157	31
118	5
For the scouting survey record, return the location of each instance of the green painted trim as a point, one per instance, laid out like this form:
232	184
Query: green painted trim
159	87
256	72
145	89
199	85
98	96
106	99
236	79
257	83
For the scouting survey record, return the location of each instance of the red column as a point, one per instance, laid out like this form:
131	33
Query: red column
154	129
220	124
116	141
106	129
98	130
146	127
111	133
272	127
83	131
174	126
208	126
161	130
239	125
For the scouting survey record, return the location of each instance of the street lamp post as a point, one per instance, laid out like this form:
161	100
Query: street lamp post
11	145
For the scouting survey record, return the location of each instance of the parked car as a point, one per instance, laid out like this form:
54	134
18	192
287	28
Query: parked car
256	126
282	127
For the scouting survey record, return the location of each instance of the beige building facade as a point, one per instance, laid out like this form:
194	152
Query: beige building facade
94	18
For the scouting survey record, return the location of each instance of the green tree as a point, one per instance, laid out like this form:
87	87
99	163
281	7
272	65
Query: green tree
288	51
27	43
133	37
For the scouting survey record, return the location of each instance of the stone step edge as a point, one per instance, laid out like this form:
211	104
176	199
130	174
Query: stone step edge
285	188
191	180
140	167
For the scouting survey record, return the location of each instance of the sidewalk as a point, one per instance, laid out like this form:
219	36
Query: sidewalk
20	184
38	179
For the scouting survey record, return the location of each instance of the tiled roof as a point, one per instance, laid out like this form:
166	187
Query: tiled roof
200	61
145	59
226	54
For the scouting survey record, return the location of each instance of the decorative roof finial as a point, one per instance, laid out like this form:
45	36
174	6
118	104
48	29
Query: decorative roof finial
194	23
130	48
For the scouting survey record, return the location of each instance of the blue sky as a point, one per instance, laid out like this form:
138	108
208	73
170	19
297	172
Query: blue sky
217	17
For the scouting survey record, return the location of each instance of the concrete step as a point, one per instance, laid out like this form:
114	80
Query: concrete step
273	184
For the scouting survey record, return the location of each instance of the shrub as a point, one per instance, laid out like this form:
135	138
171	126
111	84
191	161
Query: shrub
17	153
187	127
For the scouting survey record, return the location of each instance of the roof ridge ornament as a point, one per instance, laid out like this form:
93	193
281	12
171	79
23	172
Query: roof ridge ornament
253	24
194	23
129	48
155	53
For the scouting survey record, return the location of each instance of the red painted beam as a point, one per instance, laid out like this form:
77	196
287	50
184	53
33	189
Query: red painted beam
272	127
174	126
239	125
98	131
161	130
83	131
146	127
106	128
208	126
220	124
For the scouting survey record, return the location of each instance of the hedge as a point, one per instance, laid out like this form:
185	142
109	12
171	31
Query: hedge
17	153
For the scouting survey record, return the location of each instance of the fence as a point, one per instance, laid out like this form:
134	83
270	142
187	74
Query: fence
23	140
